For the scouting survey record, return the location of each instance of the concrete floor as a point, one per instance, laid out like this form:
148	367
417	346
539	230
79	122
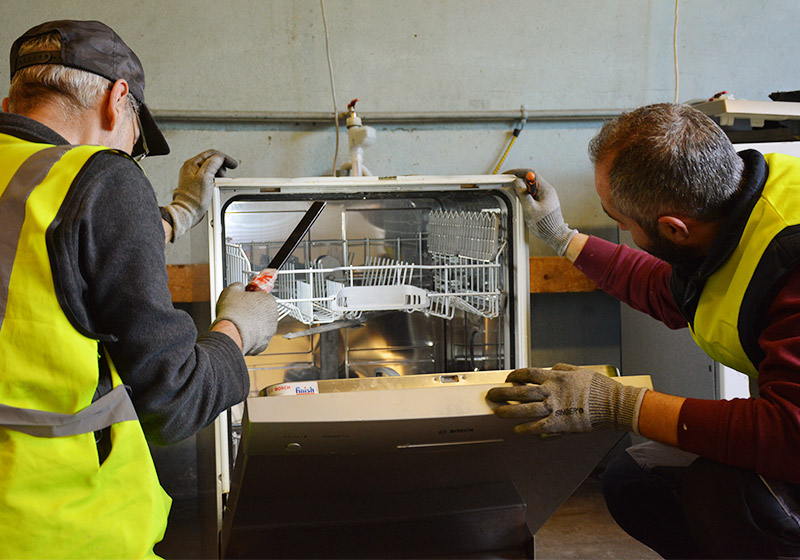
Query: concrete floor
582	529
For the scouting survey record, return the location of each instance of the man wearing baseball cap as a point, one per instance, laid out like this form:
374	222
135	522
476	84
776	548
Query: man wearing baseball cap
95	359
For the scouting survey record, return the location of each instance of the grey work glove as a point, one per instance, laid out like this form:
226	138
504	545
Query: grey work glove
195	185
567	398
255	314
543	213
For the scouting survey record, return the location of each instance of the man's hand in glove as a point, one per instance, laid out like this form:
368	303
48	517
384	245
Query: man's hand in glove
195	185
567	399
255	315
542	213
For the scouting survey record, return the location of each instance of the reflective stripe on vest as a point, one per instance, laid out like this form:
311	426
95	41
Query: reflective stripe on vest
114	407
56	499
717	326
12	210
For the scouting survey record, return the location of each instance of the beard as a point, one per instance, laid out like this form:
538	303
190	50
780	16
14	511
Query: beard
671	253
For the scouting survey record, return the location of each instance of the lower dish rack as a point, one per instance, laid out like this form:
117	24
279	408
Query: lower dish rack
458	265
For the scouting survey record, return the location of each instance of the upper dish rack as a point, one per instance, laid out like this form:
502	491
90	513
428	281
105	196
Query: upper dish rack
462	271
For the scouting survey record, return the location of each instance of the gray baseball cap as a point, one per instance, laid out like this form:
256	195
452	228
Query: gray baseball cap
94	47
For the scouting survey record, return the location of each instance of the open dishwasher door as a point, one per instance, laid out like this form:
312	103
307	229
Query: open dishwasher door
406	301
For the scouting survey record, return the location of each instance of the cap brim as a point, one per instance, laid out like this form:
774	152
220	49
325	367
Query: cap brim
156	143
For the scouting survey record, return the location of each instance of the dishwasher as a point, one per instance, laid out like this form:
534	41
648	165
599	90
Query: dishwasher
366	432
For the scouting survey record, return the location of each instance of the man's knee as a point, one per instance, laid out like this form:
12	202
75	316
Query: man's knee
628	486
644	504
733	513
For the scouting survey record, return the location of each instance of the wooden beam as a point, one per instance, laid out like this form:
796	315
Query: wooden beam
556	275
189	282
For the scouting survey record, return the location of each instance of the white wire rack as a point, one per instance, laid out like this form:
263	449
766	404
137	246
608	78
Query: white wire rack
464	250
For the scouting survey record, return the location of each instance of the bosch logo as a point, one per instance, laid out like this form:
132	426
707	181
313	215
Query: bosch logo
569	411
457	431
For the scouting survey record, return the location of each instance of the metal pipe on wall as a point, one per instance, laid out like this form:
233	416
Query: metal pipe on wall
433	117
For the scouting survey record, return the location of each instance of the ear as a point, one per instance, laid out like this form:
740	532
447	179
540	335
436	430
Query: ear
674	229
113	105
5	105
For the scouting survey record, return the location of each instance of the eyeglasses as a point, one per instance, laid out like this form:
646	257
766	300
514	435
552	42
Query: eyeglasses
142	140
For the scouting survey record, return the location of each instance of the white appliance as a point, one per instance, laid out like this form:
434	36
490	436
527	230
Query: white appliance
406	301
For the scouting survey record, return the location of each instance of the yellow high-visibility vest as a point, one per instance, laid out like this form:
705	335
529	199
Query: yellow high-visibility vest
56	499
734	297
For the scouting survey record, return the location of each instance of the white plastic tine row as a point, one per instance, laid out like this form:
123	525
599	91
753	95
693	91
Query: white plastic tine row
460	233
238	265
383	271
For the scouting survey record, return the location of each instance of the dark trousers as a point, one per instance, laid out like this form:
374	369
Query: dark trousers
705	510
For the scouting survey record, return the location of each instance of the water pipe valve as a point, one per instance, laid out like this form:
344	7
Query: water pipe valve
352	117
359	137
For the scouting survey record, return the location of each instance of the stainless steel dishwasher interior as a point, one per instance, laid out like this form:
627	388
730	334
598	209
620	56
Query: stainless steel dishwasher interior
383	284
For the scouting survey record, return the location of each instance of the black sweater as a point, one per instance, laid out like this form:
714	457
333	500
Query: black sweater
106	249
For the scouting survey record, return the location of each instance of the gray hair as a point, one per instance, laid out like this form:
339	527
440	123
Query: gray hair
73	90
668	158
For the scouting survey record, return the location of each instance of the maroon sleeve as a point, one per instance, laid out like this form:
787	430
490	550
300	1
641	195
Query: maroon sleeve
758	434
632	276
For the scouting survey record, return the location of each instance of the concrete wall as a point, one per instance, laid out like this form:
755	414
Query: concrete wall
436	55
